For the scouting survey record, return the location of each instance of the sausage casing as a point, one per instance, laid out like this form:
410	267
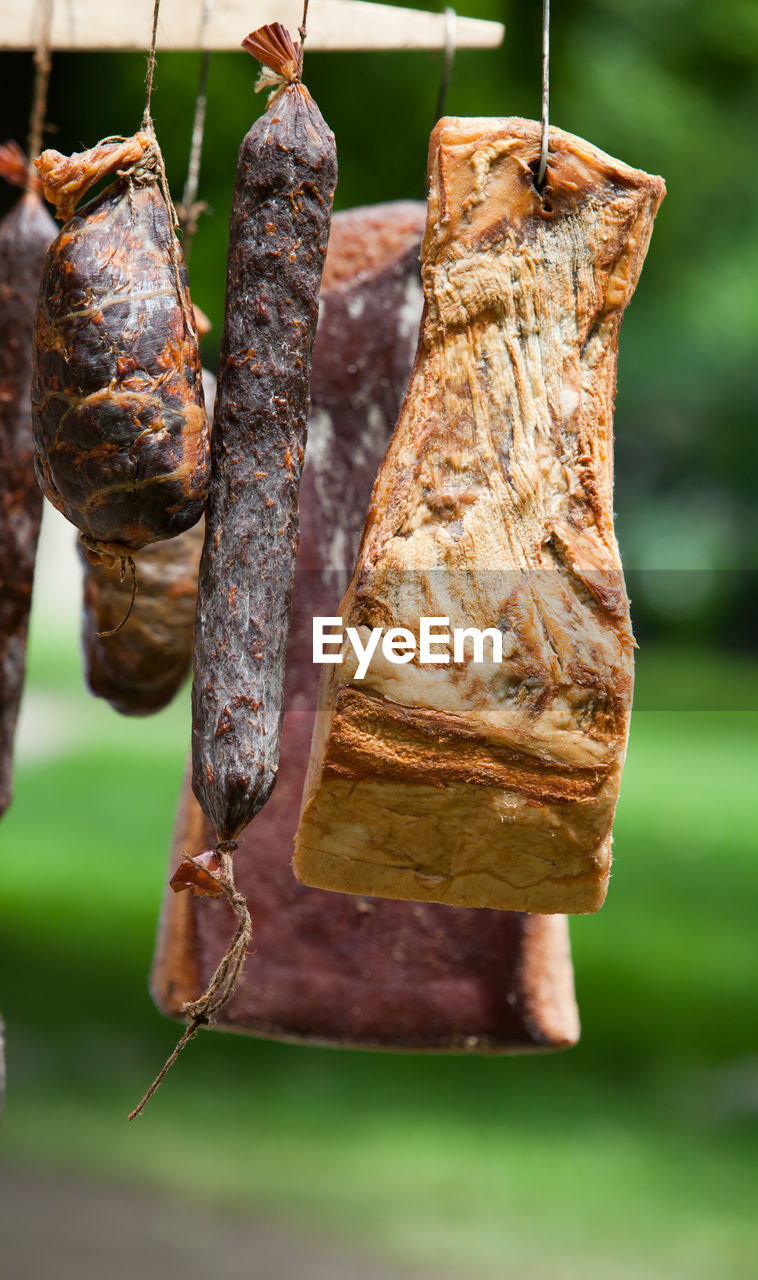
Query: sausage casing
278	234
119	418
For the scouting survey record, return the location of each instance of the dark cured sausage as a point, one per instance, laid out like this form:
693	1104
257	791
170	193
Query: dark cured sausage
25	233
119	418
278	232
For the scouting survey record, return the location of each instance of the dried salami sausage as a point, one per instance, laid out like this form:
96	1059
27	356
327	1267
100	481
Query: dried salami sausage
25	234
278	232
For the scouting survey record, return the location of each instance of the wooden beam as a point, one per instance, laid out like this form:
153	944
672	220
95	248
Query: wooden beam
332	24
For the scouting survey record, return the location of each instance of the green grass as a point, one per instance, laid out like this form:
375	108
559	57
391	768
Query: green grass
631	1156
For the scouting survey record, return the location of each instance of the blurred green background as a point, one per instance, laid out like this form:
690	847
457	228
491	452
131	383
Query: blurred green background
635	1154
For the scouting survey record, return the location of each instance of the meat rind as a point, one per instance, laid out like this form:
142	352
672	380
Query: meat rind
480	784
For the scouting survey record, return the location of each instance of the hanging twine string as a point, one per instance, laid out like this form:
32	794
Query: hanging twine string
127	562
210	875
147	119
451	32
149	128
111	554
190	208
545	91
302	32
42	61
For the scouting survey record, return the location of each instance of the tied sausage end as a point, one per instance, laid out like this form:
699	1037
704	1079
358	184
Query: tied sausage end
65	179
274	47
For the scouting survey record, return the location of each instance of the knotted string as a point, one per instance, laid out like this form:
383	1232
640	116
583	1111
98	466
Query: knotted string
204	1011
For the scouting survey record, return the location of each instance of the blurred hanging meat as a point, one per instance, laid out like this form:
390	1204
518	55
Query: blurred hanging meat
25	234
328	967
140	666
459	778
119	419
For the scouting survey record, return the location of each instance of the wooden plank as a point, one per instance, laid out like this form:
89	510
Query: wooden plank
332	25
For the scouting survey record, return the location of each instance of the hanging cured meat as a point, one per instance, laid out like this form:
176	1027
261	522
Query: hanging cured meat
139	667
328	967
464	780
278	233
119	419
25	234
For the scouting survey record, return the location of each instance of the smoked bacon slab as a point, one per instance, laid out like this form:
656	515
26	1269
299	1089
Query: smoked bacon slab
479	783
327	967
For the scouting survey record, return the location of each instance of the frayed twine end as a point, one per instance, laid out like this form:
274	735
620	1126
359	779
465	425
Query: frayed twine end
212	867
